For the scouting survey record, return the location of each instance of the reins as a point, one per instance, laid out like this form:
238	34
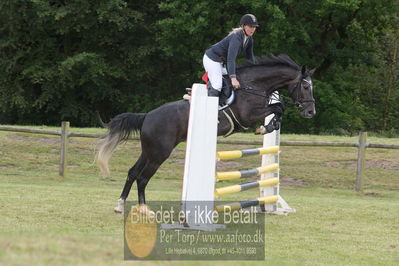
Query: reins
282	98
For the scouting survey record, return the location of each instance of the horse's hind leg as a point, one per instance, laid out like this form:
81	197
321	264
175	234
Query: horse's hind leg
149	170
142	172
133	173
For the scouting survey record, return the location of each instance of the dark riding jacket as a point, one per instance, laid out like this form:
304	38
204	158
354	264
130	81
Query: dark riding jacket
227	50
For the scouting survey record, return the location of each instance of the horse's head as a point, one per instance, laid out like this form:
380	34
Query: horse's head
302	94
272	73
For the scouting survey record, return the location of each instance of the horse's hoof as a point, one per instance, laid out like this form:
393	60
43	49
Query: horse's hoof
260	130
119	208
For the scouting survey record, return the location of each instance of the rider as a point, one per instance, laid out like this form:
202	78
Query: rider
226	51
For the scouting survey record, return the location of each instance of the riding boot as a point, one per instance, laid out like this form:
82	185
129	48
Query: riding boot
212	92
222	99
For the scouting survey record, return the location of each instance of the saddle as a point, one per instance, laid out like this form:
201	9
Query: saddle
227	96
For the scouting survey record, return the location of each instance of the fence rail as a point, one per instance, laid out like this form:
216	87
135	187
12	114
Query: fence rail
362	145
220	141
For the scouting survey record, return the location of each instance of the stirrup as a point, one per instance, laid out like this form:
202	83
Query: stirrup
228	102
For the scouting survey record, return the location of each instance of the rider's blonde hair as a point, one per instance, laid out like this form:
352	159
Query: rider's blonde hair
234	30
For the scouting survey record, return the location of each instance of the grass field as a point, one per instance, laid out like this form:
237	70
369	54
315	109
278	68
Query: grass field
48	220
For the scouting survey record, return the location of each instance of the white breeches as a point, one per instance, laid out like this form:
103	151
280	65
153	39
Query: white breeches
215	72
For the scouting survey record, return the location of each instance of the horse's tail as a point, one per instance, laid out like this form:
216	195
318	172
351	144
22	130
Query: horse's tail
119	129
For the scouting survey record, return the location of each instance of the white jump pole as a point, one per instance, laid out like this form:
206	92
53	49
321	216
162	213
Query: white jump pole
273	139
200	161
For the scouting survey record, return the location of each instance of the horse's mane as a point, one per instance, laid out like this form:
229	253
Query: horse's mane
272	61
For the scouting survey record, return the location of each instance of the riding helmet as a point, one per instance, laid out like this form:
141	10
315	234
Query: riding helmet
250	20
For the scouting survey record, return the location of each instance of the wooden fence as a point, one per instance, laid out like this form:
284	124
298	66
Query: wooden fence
361	145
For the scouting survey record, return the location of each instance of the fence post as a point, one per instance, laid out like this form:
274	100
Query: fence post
360	161
64	147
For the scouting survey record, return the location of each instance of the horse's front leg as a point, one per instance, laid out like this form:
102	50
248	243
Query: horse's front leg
277	109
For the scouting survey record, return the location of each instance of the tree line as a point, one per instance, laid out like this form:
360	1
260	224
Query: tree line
68	60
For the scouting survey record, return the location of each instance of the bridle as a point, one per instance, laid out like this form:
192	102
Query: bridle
297	90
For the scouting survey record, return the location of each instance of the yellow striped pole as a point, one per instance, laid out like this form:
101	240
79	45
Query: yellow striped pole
228	155
246	173
268	168
270	199
241	187
228	175
268	182
245	204
272	149
227	190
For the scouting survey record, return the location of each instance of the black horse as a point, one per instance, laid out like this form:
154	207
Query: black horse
166	126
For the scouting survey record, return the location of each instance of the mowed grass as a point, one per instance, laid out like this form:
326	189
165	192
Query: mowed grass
48	220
